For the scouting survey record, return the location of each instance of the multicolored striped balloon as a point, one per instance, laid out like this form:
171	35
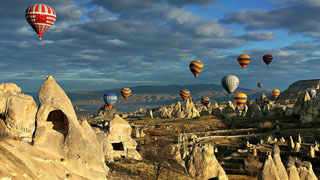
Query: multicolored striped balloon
196	67
185	94
275	93
40	17
205	101
260	85
125	92
240	99
244	60
267	59
110	99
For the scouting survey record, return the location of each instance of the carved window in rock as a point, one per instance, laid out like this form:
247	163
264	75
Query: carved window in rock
117	146
59	121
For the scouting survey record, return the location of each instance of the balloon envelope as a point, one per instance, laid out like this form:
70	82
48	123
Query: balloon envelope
244	60
312	93
185	94
260	85
275	93
196	67
110	99
40	17
240	99
230	83
267	59
205	101
125	92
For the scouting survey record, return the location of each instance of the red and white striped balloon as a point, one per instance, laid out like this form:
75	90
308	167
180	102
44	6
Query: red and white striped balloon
40	17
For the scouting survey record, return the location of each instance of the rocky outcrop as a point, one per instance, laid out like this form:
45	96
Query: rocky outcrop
59	132
216	110
229	112
269	170
118	142
7	90
254	110
298	87
278	163
20	116
305	171
292	171
203	164
107	112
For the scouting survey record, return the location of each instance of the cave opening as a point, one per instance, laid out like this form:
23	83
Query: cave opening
59	121
117	146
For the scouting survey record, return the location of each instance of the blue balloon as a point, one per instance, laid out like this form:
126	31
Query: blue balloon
110	99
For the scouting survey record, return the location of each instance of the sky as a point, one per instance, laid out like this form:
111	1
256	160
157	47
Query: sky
105	44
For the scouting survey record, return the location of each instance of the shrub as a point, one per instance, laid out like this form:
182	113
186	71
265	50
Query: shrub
252	165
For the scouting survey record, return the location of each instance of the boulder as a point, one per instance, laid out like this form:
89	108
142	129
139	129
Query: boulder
59	132
7	90
20	116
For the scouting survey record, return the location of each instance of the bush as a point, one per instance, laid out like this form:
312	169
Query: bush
252	165
265	125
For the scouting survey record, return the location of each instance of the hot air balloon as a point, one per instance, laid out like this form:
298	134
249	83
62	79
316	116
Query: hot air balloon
244	60
205	101
196	67
230	83
110	99
40	17
275	93
260	85
267	59
125	92
240	99
185	94
312	93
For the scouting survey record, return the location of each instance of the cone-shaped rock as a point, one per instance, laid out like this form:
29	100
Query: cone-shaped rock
59	132
278	163
269	170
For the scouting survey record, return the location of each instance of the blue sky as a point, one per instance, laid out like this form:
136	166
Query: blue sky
96	45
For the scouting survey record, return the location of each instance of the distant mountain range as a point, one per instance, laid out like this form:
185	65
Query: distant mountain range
152	96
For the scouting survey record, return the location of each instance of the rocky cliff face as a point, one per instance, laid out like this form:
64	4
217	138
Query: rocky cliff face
298	87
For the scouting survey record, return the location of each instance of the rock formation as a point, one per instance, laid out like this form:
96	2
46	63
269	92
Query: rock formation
229	112
216	111
20	116
7	90
269	170
59	132
107	112
305	171
292	171
278	163
254	110
118	142
202	163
